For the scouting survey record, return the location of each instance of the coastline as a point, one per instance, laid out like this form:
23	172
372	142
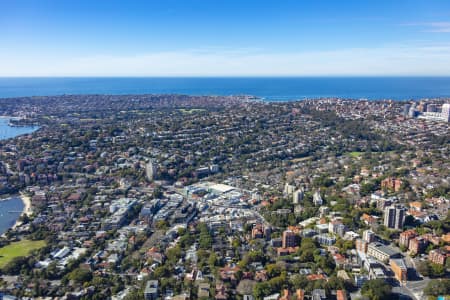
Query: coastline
27	210
27	204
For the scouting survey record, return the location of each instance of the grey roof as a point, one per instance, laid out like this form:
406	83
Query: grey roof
151	287
386	249
400	263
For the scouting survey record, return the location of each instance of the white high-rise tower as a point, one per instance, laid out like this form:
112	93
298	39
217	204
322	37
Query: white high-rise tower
446	112
150	170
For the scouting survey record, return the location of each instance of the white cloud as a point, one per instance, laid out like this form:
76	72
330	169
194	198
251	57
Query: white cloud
438	27
389	60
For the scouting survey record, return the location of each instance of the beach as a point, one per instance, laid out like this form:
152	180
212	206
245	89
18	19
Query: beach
26	209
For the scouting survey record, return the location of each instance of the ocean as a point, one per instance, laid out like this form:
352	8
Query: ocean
272	89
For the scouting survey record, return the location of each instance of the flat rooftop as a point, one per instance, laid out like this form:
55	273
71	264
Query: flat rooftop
222	188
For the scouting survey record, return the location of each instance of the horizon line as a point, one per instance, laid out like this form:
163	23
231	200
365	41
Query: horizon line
224	76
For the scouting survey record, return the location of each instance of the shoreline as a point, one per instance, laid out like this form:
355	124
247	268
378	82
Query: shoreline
27	210
26	200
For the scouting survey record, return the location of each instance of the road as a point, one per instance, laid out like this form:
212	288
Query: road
416	288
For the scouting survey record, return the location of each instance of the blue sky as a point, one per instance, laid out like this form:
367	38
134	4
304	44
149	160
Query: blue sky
224	38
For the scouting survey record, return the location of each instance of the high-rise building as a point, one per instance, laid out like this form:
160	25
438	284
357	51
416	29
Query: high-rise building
290	239
394	217
317	199
412	111
446	112
432	108
150	170
288	189
423	107
406	108
368	236
389	216
297	196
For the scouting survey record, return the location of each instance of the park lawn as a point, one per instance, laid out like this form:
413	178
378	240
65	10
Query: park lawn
355	154
16	249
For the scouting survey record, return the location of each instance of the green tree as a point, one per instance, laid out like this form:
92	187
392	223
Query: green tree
273	270
438	287
377	289
437	270
212	260
80	275
423	268
261	289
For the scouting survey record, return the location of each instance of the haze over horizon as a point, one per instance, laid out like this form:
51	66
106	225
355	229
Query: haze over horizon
224	38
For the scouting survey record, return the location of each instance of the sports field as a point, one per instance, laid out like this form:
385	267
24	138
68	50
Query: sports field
21	248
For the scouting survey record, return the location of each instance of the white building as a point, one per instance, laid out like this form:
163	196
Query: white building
317	199
446	112
368	236
288	189
297	196
151	170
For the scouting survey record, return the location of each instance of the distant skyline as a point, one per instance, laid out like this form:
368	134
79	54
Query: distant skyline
224	38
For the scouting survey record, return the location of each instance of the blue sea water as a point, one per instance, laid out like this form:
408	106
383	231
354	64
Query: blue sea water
11	208
277	88
10	211
7	131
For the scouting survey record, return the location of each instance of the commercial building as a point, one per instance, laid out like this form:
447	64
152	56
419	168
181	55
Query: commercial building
381	252
399	268
434	115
